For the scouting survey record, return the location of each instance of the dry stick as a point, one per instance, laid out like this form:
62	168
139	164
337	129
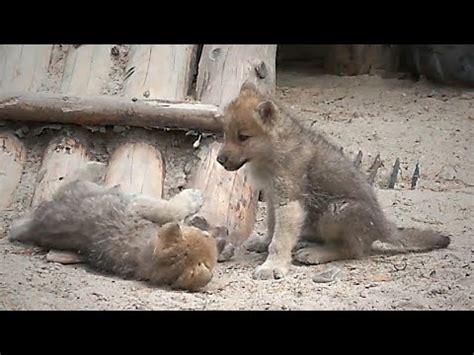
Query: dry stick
104	110
416	176
358	159
394	175
374	169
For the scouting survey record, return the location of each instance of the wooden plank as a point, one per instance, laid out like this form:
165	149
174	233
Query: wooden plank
103	110
87	70
159	71
25	66
137	168
63	156
224	68
12	161
230	199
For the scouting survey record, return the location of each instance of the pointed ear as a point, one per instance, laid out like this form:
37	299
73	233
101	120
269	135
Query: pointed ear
170	232
266	111
248	87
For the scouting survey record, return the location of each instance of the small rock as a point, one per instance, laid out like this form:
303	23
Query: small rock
409	305
448	173
327	275
119	129
227	253
63	257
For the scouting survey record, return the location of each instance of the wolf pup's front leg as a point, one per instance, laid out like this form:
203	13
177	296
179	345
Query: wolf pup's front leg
184	204
289	219
260	244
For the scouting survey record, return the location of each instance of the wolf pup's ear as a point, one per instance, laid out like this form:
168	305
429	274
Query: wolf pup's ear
248	87
267	111
171	232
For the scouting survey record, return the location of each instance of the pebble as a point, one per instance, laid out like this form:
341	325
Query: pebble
328	275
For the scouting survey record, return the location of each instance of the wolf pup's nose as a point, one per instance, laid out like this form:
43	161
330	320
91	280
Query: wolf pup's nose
221	159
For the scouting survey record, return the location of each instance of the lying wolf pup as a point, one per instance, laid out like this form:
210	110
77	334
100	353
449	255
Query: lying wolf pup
136	237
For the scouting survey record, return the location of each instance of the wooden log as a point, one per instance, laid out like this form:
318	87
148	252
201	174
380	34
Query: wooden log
12	161
87	70
352	59
103	110
9	58
159	71
230	200
137	168
63	156
224	68
25	67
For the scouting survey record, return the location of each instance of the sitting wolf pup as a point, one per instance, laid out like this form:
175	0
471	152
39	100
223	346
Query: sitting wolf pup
320	206
136	237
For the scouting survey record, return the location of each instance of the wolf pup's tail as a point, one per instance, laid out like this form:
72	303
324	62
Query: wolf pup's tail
416	240
20	230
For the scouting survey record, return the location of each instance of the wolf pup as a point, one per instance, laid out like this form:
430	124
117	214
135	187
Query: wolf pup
320	206
136	237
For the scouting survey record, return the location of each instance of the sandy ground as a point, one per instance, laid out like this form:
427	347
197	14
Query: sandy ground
416	122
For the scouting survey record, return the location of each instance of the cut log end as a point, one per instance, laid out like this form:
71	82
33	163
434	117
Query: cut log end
12	161
138	168
231	201
62	158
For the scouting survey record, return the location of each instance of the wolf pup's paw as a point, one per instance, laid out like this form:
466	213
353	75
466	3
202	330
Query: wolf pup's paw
256	244
189	201
307	256
270	270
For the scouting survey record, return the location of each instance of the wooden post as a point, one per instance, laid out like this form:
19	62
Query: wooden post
87	70
159	71
137	168
62	157
25	67
12	161
223	70
230	200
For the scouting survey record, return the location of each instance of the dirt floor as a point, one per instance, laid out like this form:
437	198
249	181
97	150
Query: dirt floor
414	121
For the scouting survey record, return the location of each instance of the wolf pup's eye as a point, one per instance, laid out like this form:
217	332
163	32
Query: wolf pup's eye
243	137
